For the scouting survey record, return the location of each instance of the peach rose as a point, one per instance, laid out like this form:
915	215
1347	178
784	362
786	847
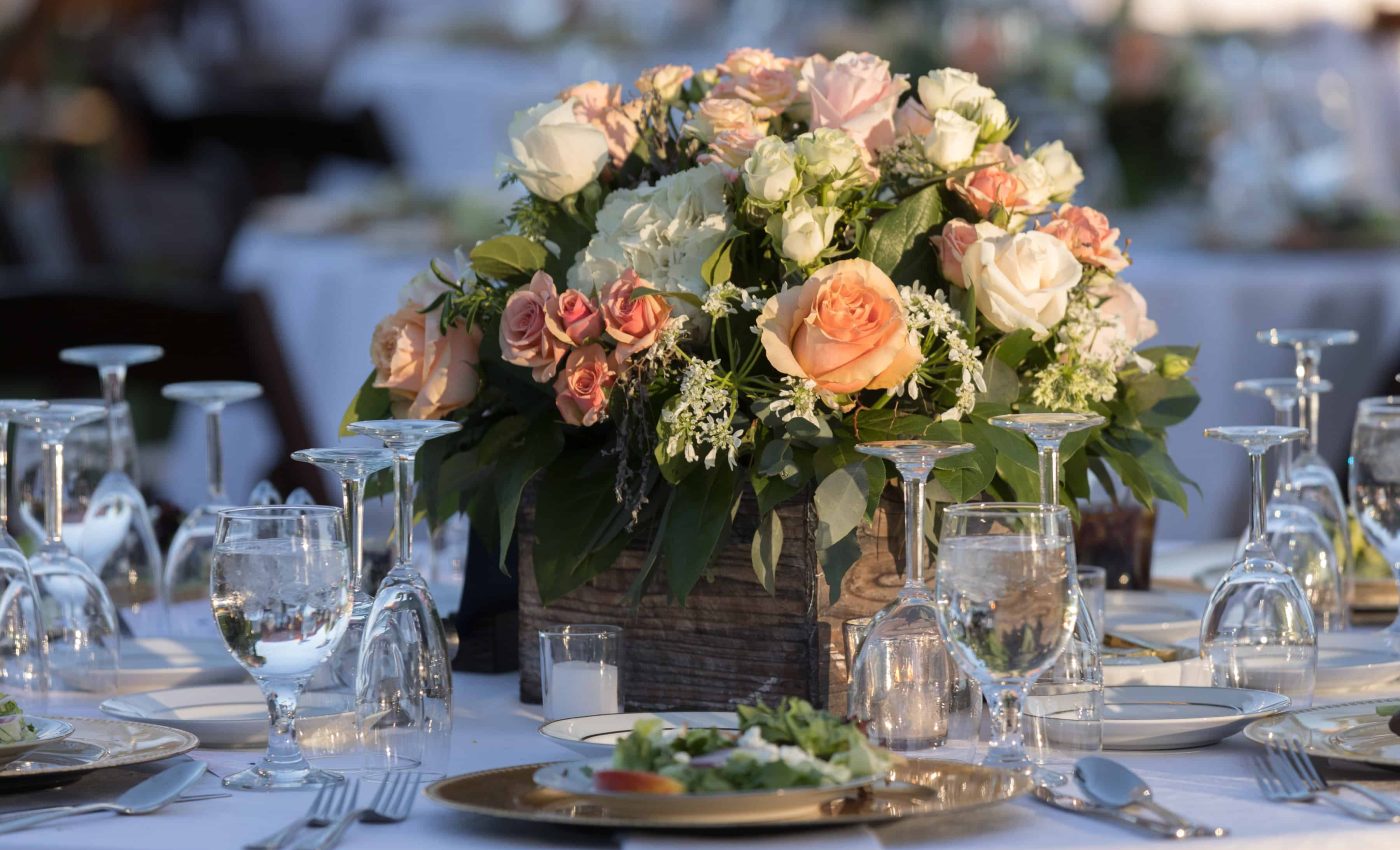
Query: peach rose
665	81
769	91
857	94
957	237
572	317
843	328
581	390
427	372
990	187
731	148
600	104
1087	234
745	60
714	115
912	120
633	322
525	337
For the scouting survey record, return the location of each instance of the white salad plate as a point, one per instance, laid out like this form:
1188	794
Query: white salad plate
1151	614
149	664
1152	717
1351	661
1349	731
46	731
576	778
226	716
594	736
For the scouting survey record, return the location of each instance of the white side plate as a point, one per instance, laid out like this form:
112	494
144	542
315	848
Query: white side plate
595	735
1147	717
149	664
1351	661
224	716
1155	615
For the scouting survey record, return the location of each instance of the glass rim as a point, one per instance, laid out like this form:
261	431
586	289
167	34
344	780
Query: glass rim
249	512
599	630
974	509
1379	403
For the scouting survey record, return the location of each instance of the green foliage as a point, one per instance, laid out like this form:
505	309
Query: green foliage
699	522
898	242
766	547
582	527
506	257
369	403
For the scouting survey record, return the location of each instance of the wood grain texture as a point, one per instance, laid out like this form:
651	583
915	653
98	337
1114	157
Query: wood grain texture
731	642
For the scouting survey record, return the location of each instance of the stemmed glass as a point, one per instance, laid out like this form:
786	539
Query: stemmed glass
24	657
78	616
118	539
1258	630
403	683
187	562
1005	592
264	493
1375	484
1296	532
903	686
1314	479
10	408
279	584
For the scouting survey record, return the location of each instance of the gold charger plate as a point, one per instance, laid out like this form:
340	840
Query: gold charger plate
94	744
1349	731
936	788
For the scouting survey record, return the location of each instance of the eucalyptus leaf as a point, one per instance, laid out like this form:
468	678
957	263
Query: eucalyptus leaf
767	546
836	560
705	499
840	501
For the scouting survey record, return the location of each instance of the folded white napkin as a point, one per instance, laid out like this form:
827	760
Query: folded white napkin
847	838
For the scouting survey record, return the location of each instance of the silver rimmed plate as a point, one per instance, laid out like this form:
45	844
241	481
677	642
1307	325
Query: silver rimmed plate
1351	661
46	731
225	716
595	735
1148	717
1155	615
1349	731
92	745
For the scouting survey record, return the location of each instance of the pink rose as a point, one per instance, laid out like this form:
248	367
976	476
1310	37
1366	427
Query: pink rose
1089	237
731	148
427	372
844	328
990	187
600	104
633	322
714	115
857	94
769	91
957	237
573	318
1125	311
745	60
525	337
581	390
997	153
912	120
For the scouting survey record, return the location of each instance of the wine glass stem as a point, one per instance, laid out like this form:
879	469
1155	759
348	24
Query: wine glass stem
403	486
213	419
352	497
53	502
1049	452
4	475
1309	362
1283	415
914	481
113	391
283	751
1005	706
1256	498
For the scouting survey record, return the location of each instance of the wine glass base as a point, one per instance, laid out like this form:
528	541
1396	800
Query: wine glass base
263	778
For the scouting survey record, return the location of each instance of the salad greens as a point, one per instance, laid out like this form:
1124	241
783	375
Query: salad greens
1388	710
13	728
792	745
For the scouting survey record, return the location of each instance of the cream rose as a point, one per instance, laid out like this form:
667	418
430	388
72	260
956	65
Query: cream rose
770	172
802	231
1035	186
554	152
829	155
743	61
951	140
1124	311
856	94
950	88
1061	168
1021	280
427	372
954	241
843	328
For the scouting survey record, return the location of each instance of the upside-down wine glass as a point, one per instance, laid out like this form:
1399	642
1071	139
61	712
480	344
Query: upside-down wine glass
1375	484
9	409
78	616
24	655
280	591
1297	535
118	540
1314	478
904	687
1005	592
264	493
1258	630
403	682
187	563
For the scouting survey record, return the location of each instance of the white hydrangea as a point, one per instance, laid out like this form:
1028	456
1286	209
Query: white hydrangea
696	423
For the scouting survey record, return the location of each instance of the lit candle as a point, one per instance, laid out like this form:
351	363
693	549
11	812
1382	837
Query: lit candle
579	688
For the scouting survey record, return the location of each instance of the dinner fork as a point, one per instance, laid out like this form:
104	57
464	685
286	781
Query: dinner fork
1315	781
1279	783
330	802
391	804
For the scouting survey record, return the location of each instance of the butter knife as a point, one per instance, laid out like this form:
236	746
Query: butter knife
1067	803
140	799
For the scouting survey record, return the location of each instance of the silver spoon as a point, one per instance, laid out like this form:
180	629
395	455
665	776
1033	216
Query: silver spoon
1109	783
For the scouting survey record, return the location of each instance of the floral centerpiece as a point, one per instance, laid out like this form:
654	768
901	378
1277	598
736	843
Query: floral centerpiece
719	286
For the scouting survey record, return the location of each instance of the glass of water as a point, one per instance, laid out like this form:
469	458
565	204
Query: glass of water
1006	594
280	586
1375	484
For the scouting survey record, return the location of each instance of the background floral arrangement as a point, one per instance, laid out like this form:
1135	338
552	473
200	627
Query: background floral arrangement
719	286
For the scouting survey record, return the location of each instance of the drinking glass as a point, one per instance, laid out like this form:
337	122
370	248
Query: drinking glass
1375	484
264	493
1314	479
580	670
279	584
1006	603
904	687
86	459
187	562
1258	630
80	621
9	409
1093	584
24	656
118	540
403	683
853	632
1296	531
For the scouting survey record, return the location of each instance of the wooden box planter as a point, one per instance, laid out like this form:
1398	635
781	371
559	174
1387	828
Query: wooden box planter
731	642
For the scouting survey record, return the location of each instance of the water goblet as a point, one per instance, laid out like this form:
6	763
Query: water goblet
9	409
264	493
118	540
1005	592
279	586
904	687
1375	484
80	621
1258	630
403	682
187	562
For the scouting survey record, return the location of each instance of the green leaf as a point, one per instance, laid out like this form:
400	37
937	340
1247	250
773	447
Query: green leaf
579	521
898	242
840	501
766	547
772	492
719	266
776	460
508	256
541	444
700	518
1013	348
370	402
1003	384
836	559
678	294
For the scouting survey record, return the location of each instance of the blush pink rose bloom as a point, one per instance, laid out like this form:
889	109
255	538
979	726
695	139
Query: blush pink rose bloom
770	91
1087	234
1125	311
573	318
912	120
855	93
600	104
730	149
428	373
525	337
843	328
990	187
743	61
714	115
633	322
957	237
581	390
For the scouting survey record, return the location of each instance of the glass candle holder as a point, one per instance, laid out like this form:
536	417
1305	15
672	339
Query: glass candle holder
581	670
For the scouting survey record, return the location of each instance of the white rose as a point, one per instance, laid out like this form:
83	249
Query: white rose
1061	168
1036	185
554	153
1124	312
1022	280
991	115
802	232
827	154
770	172
951	140
950	88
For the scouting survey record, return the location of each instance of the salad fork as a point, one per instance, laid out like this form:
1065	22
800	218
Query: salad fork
330	802
1279	782
391	804
1293	749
